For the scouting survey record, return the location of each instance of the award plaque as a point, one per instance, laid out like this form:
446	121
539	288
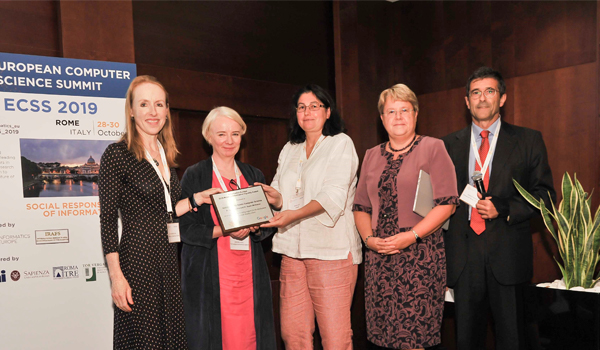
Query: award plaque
241	208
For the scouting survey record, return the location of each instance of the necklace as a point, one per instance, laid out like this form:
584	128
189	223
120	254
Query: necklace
154	158
403	148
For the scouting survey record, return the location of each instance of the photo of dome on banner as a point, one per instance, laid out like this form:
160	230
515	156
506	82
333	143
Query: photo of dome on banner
61	168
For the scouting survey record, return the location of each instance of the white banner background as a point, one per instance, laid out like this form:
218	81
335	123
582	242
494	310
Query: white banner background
54	286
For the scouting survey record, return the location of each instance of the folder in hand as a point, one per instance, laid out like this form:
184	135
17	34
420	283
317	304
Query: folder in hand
424	197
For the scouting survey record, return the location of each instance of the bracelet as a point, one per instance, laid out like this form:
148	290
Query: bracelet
367	240
417	238
193	202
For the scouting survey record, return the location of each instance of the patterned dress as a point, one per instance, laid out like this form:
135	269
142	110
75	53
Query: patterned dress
148	260
404	292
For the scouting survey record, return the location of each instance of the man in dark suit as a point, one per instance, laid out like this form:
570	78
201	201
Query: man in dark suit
488	248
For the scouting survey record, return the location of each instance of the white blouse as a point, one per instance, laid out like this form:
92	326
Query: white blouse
329	177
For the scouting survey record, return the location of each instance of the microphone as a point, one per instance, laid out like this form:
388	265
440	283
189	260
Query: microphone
478	180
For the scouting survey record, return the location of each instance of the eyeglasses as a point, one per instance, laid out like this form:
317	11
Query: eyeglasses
312	107
233	185
394	112
487	93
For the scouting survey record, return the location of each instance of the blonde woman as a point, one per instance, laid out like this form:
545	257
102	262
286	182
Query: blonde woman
226	286
405	264
137	181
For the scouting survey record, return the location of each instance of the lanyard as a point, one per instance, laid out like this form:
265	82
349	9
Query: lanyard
488	158
167	170
237	176
304	159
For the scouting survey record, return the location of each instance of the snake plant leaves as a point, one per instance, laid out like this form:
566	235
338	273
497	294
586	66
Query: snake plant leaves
547	221
567	186
577	233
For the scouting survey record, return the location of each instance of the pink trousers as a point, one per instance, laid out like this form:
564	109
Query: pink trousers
317	288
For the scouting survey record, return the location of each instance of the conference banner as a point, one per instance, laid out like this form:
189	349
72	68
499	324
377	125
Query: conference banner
57	116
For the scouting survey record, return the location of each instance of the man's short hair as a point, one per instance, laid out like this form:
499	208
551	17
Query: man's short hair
487	72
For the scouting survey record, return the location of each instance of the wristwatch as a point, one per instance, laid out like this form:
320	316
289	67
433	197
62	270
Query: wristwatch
193	202
417	238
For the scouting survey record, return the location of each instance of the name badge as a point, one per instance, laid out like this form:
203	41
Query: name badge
173	232
469	195
297	201
236	244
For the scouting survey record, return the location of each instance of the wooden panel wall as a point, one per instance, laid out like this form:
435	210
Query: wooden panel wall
442	42
97	30
199	91
284	42
30	27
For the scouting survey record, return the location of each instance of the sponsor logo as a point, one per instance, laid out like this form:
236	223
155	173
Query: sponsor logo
65	272
92	270
2	276
90	274
36	274
15	275
51	236
13	238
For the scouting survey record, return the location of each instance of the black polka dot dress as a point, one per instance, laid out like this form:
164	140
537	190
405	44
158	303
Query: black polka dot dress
148	260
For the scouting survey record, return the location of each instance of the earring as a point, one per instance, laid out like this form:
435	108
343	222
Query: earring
131	117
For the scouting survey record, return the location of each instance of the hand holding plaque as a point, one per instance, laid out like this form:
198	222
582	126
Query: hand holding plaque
241	208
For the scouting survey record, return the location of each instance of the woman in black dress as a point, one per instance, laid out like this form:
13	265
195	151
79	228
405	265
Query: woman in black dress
137	181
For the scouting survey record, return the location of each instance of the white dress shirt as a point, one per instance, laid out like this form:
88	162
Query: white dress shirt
476	130
329	177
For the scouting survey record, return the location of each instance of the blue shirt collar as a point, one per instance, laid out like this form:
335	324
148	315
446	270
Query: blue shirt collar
492	129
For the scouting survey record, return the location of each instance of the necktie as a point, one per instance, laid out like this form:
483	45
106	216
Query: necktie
477	223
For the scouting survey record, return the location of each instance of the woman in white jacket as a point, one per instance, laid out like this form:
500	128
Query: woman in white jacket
314	188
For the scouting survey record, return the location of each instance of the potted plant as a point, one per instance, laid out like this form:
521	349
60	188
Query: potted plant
568	319
578	234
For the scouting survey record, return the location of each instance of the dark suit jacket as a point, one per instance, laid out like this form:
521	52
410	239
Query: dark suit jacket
200	268
520	154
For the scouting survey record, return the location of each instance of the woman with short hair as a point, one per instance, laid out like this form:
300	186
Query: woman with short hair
225	280
405	264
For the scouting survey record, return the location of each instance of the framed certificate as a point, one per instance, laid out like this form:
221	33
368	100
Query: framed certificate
241	208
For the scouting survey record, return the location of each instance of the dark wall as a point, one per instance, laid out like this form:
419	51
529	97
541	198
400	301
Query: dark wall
547	54
435	45
30	27
284	42
250	56
545	50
